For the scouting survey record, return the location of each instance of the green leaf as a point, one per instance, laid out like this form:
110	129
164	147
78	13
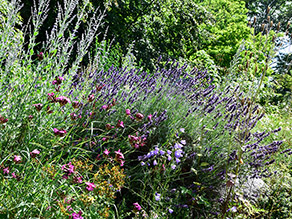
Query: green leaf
204	164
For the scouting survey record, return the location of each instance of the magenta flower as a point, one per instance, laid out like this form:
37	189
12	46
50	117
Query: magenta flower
14	175
76	216
149	117
120	124
128	112
136	141
90	186
139	116
38	106
137	206
106	152
105	107
77	179
59	133
90	98
73	116
75	104
58	80
40	56
3	120
119	154
51	96
63	100
98	88
119	157
108	126
17	158
30	117
69	169
6	170
122	162
34	153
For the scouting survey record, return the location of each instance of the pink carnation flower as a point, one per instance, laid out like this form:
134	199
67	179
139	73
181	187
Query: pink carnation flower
149	117
63	100
17	158
139	116
6	170
137	206
128	112
90	186
3	120
106	152
38	106
59	133
120	124
75	104
34	153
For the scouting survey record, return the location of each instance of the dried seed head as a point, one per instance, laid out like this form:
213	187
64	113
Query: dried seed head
249	23
245	53
247	65
278	26
288	25
268	18
271	24
273	39
258	111
256	69
250	55
263	27
254	20
268	9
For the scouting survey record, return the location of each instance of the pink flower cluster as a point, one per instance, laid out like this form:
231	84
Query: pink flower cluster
120	124
63	100
59	133
120	157
68	169
17	159
137	141
34	153
90	186
58	80
51	97
76	216
38	106
109	106
137	206
76	104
